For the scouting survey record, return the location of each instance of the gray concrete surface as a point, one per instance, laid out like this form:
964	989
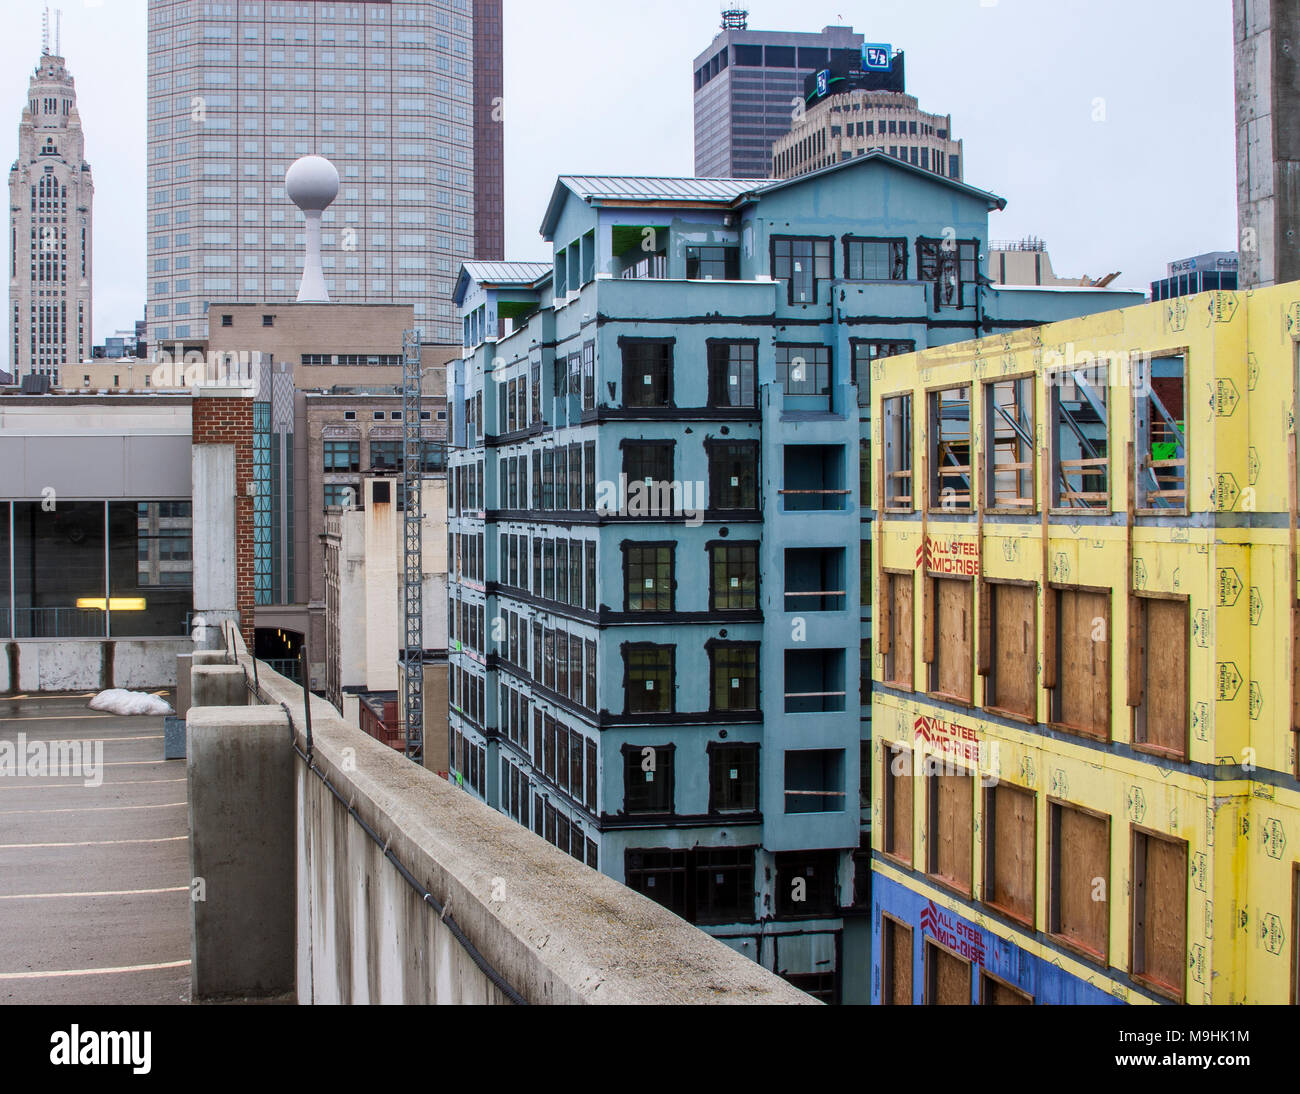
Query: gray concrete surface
241	772
94	881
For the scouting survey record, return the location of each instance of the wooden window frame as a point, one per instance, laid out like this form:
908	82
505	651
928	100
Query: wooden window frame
1137	673
884	610
887	970
988	491
889	750
988	864
927	969
908	447
1160	987
987	977
930	627
932	832
986	662
1056	653
1140	460
1100	959
934	475
1052	380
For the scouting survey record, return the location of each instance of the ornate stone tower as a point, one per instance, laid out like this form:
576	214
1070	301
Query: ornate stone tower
51	197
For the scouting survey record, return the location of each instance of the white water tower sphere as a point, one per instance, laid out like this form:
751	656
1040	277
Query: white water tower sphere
312	183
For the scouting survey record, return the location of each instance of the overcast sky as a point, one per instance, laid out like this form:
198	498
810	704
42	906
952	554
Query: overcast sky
605	87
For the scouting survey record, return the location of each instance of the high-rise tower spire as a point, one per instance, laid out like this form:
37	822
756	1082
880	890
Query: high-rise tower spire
51	194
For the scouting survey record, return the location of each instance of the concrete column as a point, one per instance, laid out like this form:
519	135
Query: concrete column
218	686
1266	43
241	791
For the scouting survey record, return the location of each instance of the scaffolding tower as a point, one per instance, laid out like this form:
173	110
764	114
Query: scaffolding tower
412	643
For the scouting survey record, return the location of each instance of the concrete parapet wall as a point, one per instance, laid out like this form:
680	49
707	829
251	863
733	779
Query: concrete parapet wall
554	930
88	665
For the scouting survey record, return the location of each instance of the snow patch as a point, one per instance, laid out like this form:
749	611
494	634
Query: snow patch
121	701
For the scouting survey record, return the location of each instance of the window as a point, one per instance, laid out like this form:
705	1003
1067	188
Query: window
896	839
733	674
342	456
1081	661
875	259
1159	638
1158	954
388	455
995	992
1012	656
814	681
733	569
807	883
268	320
649	678
648	577
1160	432
895	962
951	674
1078	878
1009	444
706	885
733	475
950	451
713	263
949	844
804	369
1010	830
733	777
648	466
647	373
897	626
814	780
1080	441
864	352
647	779
947	977
896	421
949	265
732	372
802	264
814	578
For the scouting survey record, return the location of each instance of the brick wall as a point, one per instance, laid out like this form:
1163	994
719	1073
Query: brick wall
228	419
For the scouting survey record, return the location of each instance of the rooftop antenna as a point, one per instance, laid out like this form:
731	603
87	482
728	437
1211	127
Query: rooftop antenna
735	19
58	32
45	33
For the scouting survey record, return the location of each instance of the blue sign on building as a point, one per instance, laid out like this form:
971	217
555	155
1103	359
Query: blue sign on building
876	57
823	81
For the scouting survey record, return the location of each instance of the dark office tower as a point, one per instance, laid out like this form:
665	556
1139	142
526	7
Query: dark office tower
746	84
489	165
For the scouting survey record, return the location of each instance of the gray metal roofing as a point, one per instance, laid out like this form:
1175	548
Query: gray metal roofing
497	273
653	188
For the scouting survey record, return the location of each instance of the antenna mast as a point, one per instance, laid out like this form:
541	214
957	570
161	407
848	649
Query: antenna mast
45	32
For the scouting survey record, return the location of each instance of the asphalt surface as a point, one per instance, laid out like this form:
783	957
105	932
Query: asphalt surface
94	880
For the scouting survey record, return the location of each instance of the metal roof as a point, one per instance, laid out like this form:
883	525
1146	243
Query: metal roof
506	273
876	155
519	274
597	188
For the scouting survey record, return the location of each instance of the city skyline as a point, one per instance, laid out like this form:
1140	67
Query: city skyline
1049	75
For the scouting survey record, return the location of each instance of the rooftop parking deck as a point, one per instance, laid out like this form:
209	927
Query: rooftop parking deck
94	866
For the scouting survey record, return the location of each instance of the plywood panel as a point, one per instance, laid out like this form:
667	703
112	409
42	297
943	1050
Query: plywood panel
1166	674
902	619
952	846
953	652
949	978
1015	659
1084	679
998	994
1166	911
1011	885
898	954
900	813
1083	868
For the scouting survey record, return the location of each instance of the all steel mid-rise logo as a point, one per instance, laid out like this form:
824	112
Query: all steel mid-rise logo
962	938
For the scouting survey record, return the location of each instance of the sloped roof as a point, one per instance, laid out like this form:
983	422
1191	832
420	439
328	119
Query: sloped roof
597	188
518	274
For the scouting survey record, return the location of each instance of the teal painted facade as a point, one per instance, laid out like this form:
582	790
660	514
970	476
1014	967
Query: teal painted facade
766	848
